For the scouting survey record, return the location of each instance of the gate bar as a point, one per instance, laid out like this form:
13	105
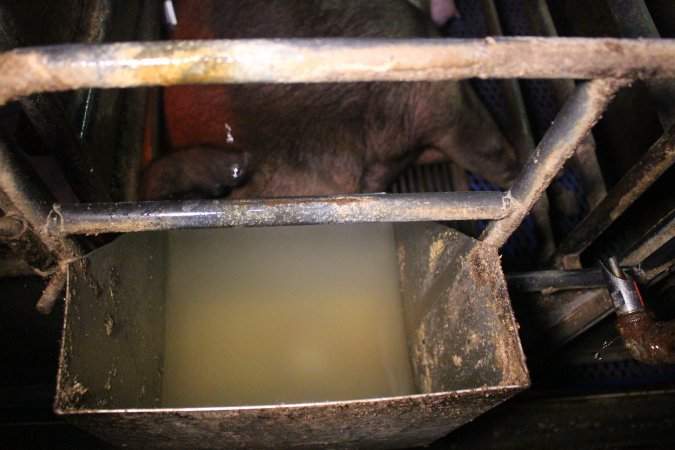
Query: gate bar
151	216
31	70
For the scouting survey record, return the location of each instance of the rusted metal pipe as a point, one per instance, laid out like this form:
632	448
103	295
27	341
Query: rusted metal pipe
152	216
32	70
573	123
659	158
648	340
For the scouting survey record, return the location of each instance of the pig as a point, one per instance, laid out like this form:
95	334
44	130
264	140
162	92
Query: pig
315	139
440	11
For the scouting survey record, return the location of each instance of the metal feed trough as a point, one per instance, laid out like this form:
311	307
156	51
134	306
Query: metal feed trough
463	291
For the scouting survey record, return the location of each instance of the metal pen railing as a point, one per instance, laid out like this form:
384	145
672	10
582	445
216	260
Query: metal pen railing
610	64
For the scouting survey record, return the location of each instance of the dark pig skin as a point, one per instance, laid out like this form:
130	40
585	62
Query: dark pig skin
318	139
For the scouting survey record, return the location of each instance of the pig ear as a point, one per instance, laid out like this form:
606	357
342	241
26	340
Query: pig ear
442	11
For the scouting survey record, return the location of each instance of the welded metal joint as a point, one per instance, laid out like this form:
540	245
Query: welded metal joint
574	122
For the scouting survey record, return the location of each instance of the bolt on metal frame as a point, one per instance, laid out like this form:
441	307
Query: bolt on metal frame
609	64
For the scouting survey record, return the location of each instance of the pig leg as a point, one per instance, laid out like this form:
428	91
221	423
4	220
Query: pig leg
194	173
463	129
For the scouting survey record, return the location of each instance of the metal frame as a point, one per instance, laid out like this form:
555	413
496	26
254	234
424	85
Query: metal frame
26	71
614	64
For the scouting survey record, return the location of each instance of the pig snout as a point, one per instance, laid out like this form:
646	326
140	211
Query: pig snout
316	139
201	172
440	11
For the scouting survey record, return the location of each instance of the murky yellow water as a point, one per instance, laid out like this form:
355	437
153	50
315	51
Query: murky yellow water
283	315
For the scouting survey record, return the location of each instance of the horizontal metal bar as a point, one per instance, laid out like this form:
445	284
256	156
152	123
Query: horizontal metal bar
548	281
554	280
32	70
631	186
146	216
573	123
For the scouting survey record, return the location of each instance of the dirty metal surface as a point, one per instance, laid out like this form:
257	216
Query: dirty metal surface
112	345
460	326
146	216
110	372
32	70
398	422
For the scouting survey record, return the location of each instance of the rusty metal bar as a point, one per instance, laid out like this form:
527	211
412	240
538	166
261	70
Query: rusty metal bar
631	186
572	125
32	70
147	216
